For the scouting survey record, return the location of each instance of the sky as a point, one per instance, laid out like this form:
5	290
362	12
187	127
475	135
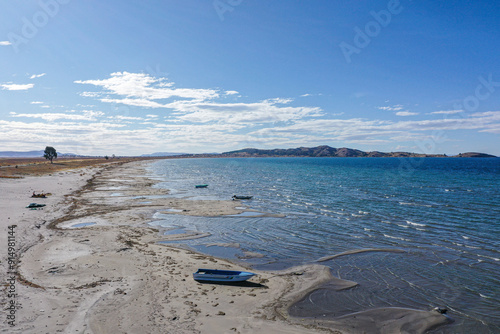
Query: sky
204	76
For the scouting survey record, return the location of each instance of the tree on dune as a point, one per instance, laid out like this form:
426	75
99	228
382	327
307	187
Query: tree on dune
50	153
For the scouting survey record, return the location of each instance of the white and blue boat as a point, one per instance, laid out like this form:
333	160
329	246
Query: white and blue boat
216	275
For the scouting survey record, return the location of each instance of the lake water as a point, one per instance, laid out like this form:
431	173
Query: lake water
442	212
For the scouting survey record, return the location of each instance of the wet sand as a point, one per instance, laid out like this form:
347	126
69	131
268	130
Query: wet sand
111	274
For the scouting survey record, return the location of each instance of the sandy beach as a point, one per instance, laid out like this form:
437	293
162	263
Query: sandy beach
88	262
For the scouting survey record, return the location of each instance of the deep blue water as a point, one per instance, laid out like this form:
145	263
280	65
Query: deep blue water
443	212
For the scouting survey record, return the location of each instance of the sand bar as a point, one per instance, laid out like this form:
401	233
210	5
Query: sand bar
112	276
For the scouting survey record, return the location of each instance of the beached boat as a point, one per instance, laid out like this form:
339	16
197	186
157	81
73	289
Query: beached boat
201	186
216	275
35	205
241	197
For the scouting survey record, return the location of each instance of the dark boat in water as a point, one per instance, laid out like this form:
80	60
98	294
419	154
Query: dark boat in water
241	197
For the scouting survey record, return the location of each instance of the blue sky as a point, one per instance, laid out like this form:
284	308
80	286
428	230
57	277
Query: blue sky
133	77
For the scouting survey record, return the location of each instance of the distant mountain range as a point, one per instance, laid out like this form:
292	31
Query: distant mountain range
162	154
327	151
319	151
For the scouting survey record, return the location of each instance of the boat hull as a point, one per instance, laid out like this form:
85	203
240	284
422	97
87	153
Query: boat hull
35	205
235	197
214	275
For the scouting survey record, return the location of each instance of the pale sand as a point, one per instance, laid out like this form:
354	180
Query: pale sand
113	276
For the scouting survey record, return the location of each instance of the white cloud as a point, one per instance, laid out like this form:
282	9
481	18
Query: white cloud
126	118
103	138
145	103
92	132
446	112
279	100
193	105
11	86
87	116
352	130
259	112
90	113
393	108
36	102
34	76
145	87
406	113
308	94
495	114
90	94
5	43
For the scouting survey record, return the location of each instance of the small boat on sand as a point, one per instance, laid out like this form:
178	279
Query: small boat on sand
216	275
235	197
35	205
201	186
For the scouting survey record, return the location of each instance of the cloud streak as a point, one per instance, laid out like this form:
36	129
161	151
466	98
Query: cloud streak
406	113
34	76
87	116
396	107
11	86
446	112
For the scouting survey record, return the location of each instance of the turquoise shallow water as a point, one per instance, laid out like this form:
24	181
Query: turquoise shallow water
443	212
